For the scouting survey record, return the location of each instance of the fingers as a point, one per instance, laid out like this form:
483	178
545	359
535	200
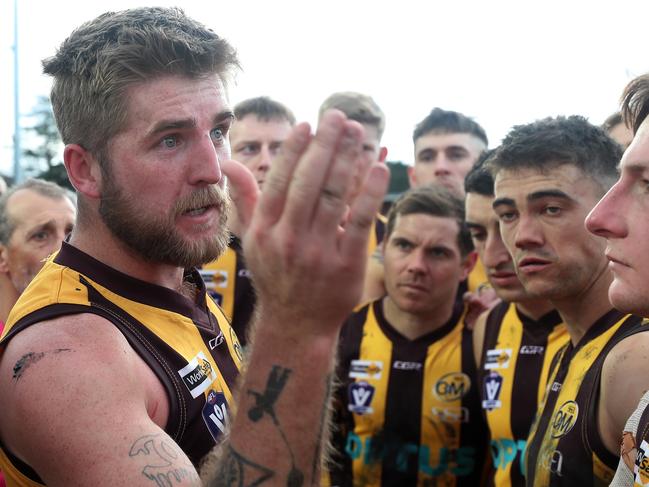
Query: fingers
244	192
280	175
331	206
364	209
334	138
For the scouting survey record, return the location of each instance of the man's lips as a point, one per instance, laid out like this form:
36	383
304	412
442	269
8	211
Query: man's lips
529	265
613	260
414	287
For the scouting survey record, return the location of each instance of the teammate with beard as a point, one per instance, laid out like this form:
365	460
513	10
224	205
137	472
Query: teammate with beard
548	176
116	367
407	410
514	343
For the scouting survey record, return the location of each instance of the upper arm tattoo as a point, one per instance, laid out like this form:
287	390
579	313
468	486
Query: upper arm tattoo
31	358
164	462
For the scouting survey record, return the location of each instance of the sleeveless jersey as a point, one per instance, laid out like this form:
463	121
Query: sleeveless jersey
514	368
564	446
407	411
227	280
189	346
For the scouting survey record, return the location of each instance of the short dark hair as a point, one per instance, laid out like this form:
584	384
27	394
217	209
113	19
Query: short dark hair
449	122
635	102
612	121
552	142
265	109
479	179
432	200
358	107
40	186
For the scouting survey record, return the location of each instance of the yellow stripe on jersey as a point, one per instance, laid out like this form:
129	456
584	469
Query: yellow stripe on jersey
220	277
375	356
445	384
477	276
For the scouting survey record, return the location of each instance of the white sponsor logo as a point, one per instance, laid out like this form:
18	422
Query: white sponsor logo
365	369
401	365
198	375
532	350
498	358
216	341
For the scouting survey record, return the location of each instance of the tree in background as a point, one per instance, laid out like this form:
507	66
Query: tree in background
43	150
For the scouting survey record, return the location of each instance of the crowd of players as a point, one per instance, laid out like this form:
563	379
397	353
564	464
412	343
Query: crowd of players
497	335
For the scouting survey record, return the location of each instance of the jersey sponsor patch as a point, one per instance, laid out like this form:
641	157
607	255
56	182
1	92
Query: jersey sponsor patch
491	387
564	419
197	375
531	350
498	358
555	387
214	278
215	414
641	468
401	365
452	386
365	369
216	341
360	395
450	414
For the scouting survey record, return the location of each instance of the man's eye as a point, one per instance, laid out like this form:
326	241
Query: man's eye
507	216
478	236
218	134
170	141
39	236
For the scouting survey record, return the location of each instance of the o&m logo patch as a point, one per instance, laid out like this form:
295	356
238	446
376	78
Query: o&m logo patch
564	419
452	386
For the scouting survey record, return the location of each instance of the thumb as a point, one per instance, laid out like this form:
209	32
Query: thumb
244	192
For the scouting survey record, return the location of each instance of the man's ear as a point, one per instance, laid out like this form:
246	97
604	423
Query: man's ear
4	259
383	154
468	264
83	170
412	179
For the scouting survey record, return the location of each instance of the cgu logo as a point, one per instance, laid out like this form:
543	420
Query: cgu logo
564	419
451	387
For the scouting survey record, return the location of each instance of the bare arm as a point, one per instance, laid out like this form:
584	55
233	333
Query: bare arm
308	276
78	405
622	385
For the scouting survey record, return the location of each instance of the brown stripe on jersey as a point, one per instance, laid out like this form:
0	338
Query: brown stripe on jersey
221	355
492	330
343	420
528	370
474	432
401	425
135	289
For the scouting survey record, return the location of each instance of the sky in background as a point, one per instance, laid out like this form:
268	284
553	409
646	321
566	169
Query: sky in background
502	63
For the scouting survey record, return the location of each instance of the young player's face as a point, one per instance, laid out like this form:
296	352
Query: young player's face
542	224
423	264
163	194
485	233
40	225
622	218
444	159
256	142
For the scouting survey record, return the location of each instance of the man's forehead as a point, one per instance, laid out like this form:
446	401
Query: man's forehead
478	205
636	157
441	139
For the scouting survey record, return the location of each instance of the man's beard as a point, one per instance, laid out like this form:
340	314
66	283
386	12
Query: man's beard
156	239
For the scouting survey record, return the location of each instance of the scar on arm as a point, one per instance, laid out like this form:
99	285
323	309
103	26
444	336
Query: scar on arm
31	358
